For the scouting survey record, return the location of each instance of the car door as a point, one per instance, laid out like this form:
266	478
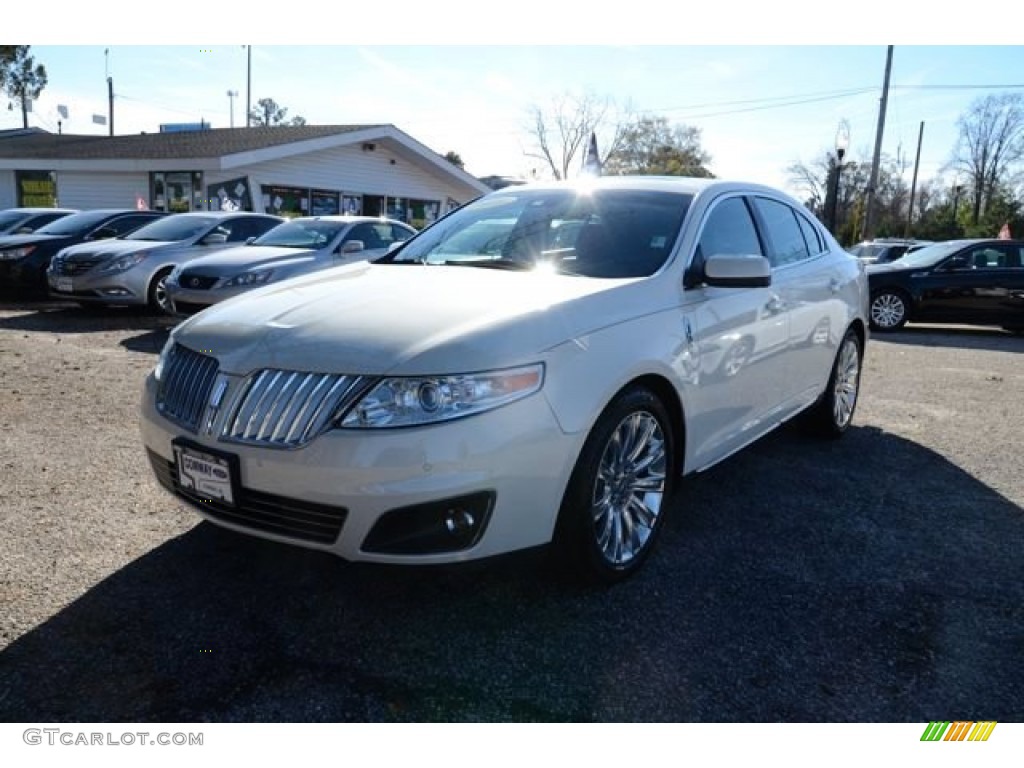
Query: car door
980	284
806	283
741	336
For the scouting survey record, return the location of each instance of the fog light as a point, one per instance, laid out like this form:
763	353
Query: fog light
458	521
448	525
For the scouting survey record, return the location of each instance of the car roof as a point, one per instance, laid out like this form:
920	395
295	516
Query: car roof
40	210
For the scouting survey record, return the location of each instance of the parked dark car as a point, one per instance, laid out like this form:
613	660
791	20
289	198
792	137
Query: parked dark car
25	258
886	249
974	282
22	221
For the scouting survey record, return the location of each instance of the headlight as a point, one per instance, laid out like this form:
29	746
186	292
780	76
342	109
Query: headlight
161	361
410	401
16	253
123	263
249	278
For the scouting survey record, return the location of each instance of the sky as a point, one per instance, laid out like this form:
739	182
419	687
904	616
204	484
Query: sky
759	108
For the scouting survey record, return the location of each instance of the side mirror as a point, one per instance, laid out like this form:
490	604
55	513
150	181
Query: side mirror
353	246
23	231
215	238
725	271
250	240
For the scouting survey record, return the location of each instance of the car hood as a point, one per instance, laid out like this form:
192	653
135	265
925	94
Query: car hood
230	261
117	247
18	241
376	319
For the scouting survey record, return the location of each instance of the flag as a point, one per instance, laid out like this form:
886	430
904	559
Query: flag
1004	233
592	162
140	203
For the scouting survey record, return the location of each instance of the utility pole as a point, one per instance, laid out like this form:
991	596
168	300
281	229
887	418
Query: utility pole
110	89
913	184
869	215
248	85
231	101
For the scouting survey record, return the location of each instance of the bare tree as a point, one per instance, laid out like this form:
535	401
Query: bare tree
990	144
560	133
20	77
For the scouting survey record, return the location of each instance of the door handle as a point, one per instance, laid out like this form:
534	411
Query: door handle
775	305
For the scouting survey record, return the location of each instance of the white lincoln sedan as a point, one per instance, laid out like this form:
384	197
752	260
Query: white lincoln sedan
540	367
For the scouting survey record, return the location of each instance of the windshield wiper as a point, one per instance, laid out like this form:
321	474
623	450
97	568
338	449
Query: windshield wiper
510	264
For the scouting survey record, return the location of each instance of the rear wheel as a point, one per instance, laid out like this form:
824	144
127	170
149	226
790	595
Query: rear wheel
615	503
157	298
832	414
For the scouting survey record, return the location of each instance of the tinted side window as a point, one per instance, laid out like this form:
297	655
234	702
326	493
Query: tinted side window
811	236
368	234
786	240
125	224
240	230
729	230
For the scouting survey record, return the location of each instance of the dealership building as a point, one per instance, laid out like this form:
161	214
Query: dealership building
286	170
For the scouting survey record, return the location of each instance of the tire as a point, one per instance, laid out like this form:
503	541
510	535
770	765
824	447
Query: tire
832	415
157	299
889	310
615	503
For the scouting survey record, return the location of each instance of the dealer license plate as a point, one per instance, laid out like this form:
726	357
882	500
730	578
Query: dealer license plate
204	474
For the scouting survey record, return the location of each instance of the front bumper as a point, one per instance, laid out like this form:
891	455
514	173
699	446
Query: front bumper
514	459
119	289
188	301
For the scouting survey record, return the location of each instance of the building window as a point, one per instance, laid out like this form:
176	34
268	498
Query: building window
285	201
325	203
36	189
177	191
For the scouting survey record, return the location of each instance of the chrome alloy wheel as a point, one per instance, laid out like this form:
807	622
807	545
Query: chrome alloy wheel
888	310
629	488
847	383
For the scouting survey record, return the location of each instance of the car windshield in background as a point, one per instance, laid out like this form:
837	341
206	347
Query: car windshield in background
301	234
74	224
607	233
9	218
929	255
173	228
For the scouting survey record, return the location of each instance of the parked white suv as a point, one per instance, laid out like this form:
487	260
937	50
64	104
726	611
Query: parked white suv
550	383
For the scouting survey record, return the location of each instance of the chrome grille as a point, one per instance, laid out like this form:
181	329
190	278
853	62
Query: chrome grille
185	390
79	266
287	409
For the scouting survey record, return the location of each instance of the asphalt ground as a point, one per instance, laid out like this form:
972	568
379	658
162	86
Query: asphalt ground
878	578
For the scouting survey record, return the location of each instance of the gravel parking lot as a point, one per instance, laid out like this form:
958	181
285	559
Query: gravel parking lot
878	578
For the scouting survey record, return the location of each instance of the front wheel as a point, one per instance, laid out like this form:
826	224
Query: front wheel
615	503
832	414
157	297
888	310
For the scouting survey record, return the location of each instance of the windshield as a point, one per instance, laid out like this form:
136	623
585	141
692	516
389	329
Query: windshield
10	218
75	224
602	233
930	254
299	233
173	228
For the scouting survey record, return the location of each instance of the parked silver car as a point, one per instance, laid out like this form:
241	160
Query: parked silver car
134	269
303	245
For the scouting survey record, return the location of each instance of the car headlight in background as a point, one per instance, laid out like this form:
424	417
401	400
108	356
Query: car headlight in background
161	362
16	253
123	263
415	400
249	278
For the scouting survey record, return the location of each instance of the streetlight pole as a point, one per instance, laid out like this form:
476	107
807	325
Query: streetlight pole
842	142
231	101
